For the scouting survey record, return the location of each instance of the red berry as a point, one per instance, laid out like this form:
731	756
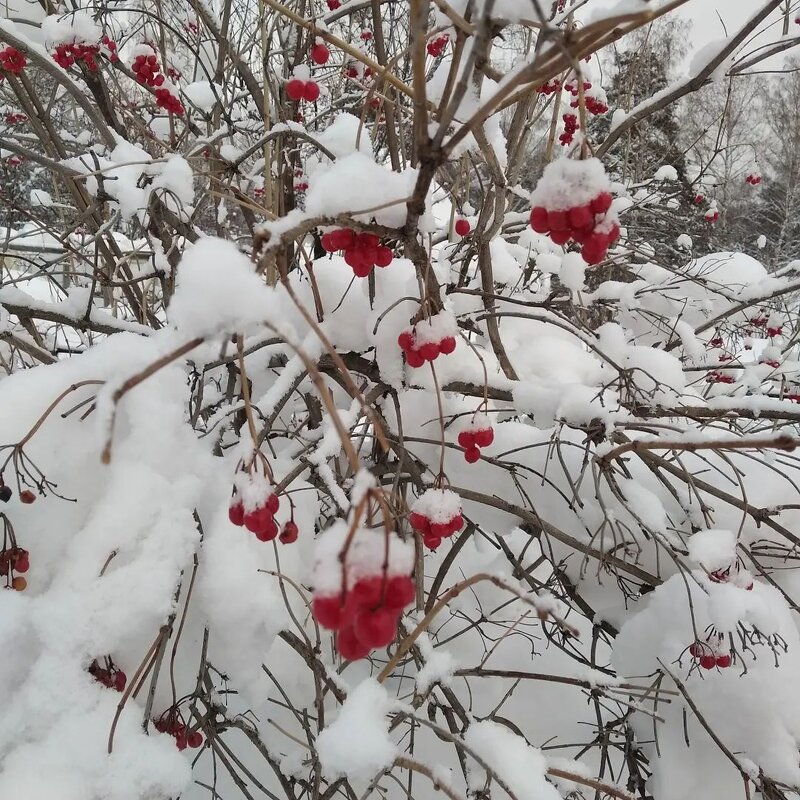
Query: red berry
295	89
289	533
463	227
696	649
432	542
236	513
405	340
328	243
311	92
19	584
560	237
414	358
471	455
268	531
350	647
539	219
447	345
27	496
399	592
257	519
466	439
22	564
120	679
320	54
333	4
368	592
440	530
429	351
419	522
602	203
456	524
384	257
724	661
328	611
273	504
594	249
180	741
558	220
195	739
708	662
375	628
485	437
581	217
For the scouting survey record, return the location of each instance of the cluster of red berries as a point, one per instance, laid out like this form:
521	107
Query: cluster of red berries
551	87
712	215
720	377
366	35
14	559
594	105
362	251
733	575
320	53
753	179
571	127
698	199
462	227
589	224
353	70
436	46
12	60
436	515
148	72
333	4
708	657
297	90
429	339
13	118
67	53
365	617
260	519
111	676
15	160
171	722
190	25
169	102
479	434
771	357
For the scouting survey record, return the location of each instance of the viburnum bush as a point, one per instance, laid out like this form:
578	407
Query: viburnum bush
360	438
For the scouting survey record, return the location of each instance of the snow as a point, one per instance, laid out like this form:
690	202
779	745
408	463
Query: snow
356	183
666	173
218	291
357	744
567	183
41	198
203	94
521	767
713	549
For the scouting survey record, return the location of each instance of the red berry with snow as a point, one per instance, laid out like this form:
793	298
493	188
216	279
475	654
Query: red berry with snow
12	60
289	533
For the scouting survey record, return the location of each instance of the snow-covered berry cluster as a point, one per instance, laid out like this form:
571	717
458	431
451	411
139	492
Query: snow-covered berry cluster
362	584
253	505
712	213
301	87
172	722
14	559
437	45
721	376
709	655
479	433
12	60
320	53
436	515
362	251
754	178
15	118
698	199
429	338
110	675
573	201
366	35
